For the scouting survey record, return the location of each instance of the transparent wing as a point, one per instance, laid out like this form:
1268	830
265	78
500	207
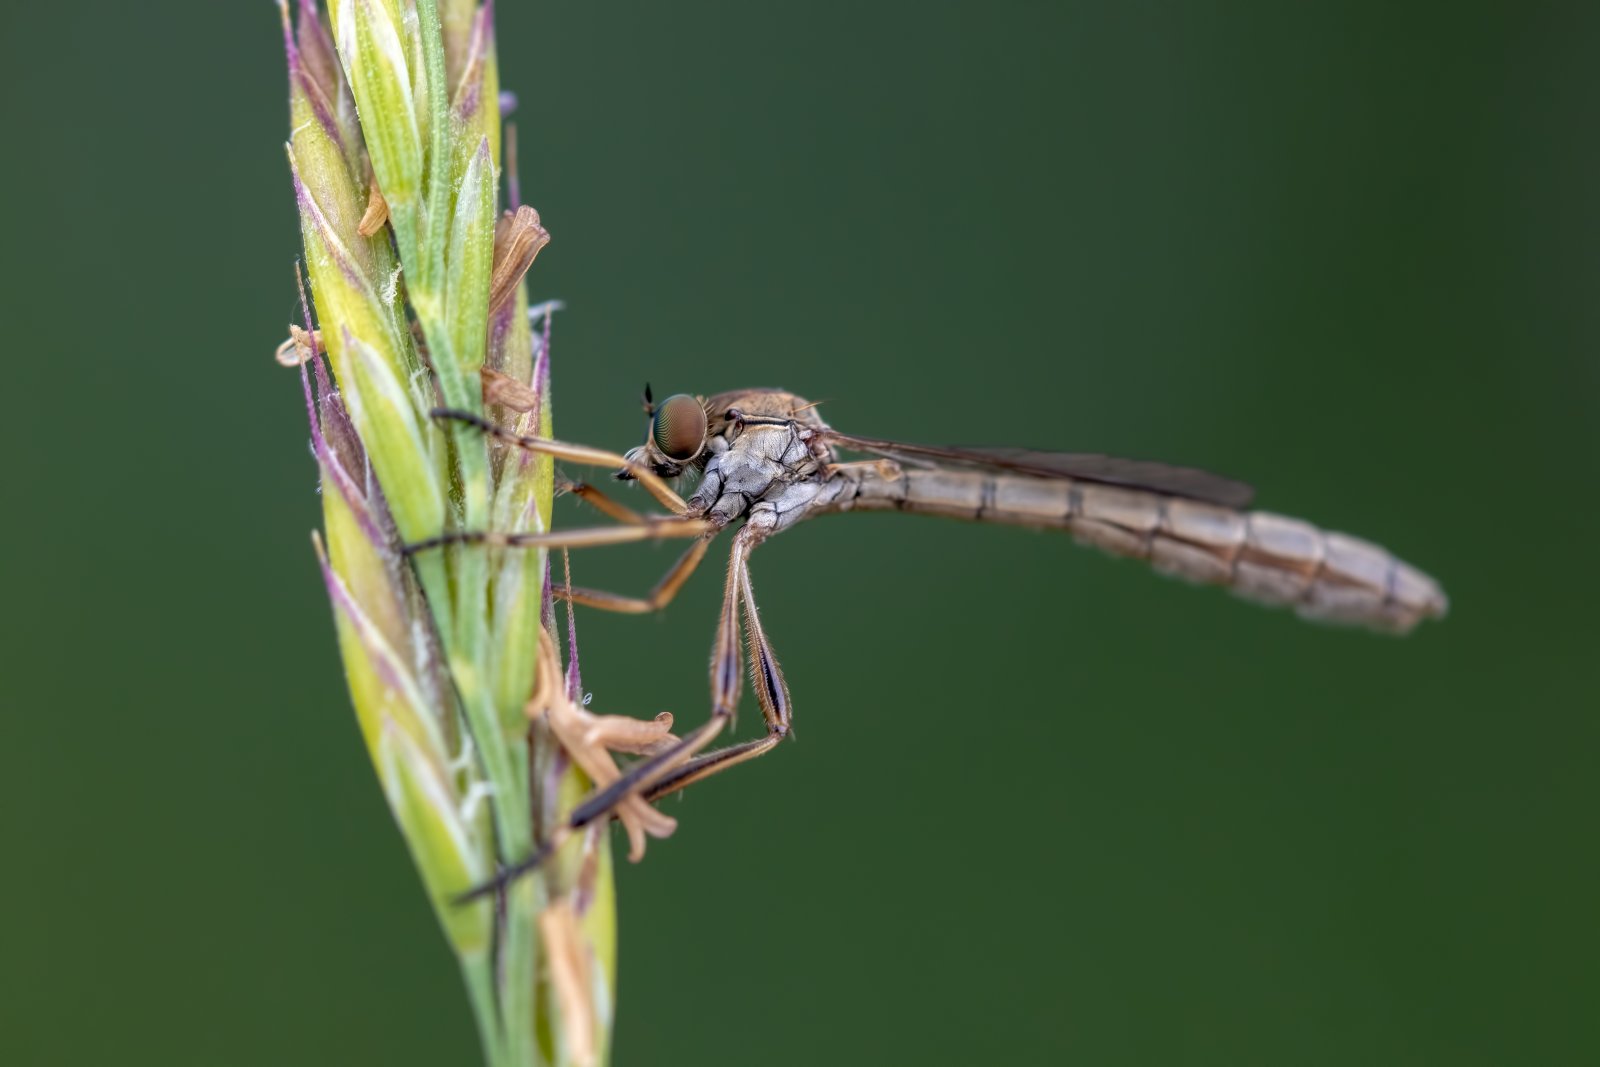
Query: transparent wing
1084	466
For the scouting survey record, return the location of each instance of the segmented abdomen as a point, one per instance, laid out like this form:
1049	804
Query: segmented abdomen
1271	559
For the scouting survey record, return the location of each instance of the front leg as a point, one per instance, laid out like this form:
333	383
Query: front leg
580	454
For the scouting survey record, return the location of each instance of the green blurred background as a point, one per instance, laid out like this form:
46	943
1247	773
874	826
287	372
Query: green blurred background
1045	807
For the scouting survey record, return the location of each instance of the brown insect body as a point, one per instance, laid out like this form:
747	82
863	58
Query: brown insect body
770	459
766	457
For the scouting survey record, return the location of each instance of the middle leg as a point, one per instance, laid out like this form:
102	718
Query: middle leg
652	529
662	592
659	596
597	498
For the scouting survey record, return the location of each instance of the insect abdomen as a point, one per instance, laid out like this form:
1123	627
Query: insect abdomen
1268	558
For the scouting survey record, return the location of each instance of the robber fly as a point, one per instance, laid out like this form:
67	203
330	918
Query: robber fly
764	456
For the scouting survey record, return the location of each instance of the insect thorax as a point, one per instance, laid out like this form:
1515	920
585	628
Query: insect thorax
767	460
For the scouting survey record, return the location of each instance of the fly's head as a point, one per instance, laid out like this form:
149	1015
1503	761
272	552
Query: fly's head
676	439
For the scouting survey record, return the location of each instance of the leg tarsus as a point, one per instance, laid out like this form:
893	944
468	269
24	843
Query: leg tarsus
702	767
505	874
580	454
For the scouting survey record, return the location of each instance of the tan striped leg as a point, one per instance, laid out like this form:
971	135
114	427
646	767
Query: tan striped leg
677	765
580	454
595	498
652	529
659	597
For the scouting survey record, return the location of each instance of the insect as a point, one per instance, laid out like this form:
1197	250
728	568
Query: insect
764	456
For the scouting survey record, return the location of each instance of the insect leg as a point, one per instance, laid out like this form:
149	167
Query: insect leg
659	597
593	496
726	677
772	692
580	454
584	537
711	763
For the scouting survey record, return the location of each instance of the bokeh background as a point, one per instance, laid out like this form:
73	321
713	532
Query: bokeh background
1044	807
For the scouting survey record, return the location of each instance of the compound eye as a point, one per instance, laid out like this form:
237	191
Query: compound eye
679	427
